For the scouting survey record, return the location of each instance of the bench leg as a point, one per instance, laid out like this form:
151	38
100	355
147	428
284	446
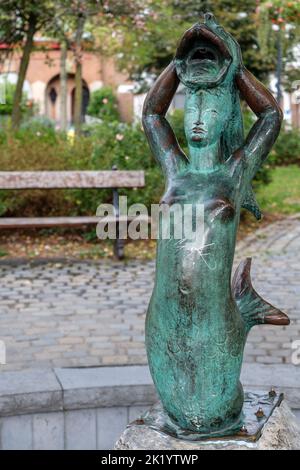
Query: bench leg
119	244
119	248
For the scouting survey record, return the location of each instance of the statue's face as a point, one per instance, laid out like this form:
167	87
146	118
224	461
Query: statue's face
205	117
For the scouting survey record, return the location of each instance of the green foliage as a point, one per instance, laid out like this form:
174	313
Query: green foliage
16	15
278	24
249	119
107	144
281	11
124	146
6	108
151	45
282	195
103	104
287	148
38	148
37	127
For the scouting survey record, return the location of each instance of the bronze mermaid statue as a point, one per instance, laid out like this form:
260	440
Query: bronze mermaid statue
198	320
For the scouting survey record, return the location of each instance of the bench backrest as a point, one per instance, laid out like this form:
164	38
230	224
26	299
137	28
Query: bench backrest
71	179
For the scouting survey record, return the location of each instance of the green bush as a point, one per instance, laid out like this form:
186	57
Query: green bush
106	144
103	105
38	124
124	146
38	148
6	108
286	150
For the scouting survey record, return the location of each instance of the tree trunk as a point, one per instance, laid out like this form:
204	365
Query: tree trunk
279	67
78	76
16	111
63	85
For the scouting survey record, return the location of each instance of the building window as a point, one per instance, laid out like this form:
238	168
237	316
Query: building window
53	95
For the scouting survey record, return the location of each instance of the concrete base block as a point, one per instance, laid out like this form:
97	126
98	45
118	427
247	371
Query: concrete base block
280	432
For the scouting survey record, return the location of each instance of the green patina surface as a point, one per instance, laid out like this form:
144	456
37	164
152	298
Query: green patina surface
197	323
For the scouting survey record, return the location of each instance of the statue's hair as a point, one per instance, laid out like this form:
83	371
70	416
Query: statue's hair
233	135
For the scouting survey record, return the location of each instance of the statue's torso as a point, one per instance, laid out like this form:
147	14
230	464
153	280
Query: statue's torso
193	324
199	261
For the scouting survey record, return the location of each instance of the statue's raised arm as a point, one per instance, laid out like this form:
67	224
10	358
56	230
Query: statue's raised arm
266	129
160	135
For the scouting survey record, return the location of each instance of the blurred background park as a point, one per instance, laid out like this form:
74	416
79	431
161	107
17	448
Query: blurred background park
73	77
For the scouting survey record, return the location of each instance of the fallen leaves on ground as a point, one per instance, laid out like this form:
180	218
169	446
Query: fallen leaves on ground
77	244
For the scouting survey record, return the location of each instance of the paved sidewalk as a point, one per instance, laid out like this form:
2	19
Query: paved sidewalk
92	313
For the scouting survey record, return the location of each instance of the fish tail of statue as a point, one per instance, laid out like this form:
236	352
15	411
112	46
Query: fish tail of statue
253	308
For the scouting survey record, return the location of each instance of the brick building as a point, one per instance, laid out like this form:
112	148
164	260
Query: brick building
42	84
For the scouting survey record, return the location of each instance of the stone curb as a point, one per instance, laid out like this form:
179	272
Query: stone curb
37	390
29	391
106	386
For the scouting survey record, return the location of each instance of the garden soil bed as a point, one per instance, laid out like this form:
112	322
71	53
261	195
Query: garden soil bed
78	244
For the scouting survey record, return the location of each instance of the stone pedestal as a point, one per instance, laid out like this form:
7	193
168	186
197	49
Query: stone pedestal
280	432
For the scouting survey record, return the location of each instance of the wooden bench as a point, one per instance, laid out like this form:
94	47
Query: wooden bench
113	179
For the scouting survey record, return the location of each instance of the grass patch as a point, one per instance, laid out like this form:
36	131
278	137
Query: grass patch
282	195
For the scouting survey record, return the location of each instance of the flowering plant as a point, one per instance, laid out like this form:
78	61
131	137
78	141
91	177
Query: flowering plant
281	12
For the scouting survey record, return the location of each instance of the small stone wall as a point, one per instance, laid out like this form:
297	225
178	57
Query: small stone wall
89	408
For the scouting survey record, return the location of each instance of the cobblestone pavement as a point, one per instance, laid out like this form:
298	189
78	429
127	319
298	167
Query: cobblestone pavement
92	313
